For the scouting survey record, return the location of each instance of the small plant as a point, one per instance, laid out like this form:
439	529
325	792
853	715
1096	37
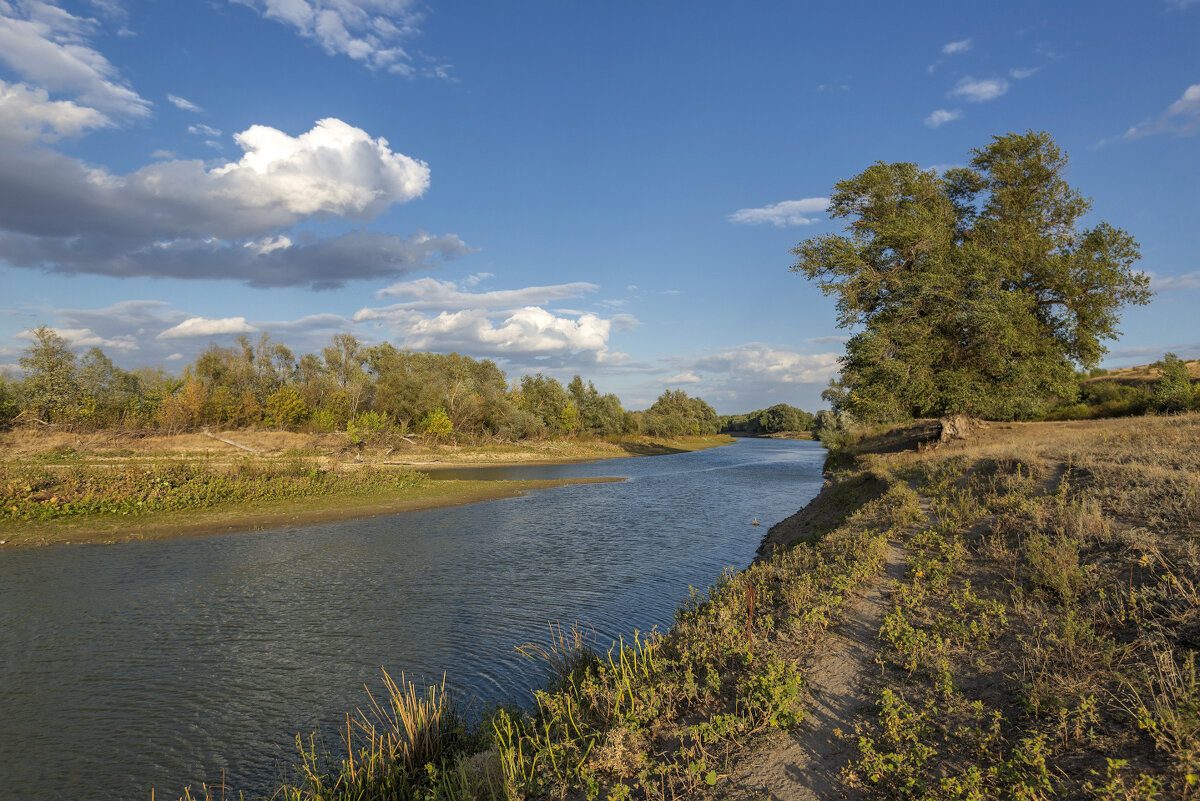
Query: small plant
437	425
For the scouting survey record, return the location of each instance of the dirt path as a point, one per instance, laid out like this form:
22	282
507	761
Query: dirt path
805	765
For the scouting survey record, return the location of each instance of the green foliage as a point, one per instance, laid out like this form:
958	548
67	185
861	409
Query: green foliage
367	426
437	424
674	414
973	291
9	405
1173	392
778	418
285	408
261	382
41	493
50	390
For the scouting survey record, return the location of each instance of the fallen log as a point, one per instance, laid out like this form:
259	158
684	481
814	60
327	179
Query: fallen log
231	442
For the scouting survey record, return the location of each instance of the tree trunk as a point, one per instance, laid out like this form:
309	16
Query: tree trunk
955	426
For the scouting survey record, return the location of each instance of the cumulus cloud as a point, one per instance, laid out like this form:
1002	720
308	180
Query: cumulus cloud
48	46
756	360
942	116
206	327
980	91
186	219
372	32
953	48
28	114
509	325
1181	117
183	103
429	293
755	375
333	170
787	212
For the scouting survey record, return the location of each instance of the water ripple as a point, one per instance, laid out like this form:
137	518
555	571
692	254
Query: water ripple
162	664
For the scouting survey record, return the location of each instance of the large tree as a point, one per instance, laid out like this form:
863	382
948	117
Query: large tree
971	292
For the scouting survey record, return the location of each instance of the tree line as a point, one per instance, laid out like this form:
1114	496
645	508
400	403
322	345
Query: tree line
773	420
348	386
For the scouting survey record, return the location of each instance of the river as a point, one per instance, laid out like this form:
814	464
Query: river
163	664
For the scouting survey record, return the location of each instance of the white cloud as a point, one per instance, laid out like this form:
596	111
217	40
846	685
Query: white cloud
204	130
1180	5
1022	74
953	48
757	361
183	103
333	170
1181	117
28	114
187	219
206	327
787	212
428	293
87	338
49	47
139	332
755	375
1172	283
974	91
942	116
521	334
682	378
163	154
370	31
511	325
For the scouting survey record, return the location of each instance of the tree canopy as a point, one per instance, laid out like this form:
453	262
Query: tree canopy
366	391
974	291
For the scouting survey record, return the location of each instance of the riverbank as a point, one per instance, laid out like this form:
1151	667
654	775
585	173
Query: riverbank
65	488
1016	615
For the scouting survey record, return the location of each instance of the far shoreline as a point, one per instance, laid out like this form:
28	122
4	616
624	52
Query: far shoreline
437	493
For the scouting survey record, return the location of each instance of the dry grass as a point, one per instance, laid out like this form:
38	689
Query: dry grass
1071	552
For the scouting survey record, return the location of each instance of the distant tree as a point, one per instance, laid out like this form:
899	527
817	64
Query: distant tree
545	397
675	414
972	292
50	388
1173	391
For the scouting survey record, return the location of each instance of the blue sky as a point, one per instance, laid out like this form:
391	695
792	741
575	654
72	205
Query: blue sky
609	189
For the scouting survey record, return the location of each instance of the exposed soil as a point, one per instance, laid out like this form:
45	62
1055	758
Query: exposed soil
805	764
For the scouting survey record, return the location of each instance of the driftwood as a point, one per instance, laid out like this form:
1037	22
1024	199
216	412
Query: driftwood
231	442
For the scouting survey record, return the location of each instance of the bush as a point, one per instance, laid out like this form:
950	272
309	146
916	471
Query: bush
1173	392
437	424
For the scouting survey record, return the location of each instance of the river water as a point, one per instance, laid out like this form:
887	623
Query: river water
162	664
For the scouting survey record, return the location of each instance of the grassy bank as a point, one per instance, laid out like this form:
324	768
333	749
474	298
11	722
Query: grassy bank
1040	645
1043	643
106	490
